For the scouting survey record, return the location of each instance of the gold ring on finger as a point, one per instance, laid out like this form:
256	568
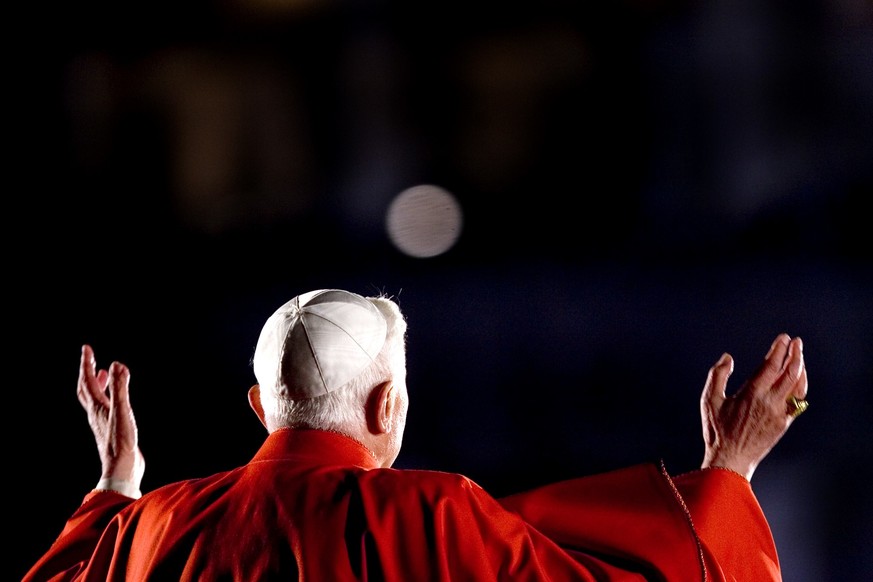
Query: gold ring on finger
796	406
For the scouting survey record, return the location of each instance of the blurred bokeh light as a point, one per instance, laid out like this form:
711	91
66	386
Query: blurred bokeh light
424	221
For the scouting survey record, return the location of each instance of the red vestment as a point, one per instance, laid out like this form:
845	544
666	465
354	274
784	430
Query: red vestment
311	505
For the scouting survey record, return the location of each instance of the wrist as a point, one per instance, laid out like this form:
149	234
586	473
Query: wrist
126	488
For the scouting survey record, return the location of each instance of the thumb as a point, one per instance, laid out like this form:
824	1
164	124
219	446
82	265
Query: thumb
716	382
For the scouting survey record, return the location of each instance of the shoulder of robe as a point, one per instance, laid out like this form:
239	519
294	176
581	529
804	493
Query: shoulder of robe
419	483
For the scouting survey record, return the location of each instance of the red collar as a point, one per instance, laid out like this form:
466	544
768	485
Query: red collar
320	446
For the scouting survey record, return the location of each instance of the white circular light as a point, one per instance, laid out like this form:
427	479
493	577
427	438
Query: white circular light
424	221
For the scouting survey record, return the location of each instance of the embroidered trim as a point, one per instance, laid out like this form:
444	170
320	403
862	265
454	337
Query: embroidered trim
690	521
737	473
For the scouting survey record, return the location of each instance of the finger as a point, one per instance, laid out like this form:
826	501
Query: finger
802	387
792	381
122	421
772	366
91	385
779	347
86	371
119	384
716	382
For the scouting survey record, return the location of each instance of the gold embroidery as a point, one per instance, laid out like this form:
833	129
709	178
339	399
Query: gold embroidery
681	501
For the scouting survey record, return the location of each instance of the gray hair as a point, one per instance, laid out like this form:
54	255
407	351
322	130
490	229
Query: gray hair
344	409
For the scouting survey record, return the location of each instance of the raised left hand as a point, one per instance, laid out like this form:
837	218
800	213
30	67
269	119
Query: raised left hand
105	397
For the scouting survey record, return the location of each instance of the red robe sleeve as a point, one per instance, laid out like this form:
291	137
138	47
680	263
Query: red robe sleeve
706	525
727	516
73	550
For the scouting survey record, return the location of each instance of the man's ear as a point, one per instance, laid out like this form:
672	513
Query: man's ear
380	408
255	403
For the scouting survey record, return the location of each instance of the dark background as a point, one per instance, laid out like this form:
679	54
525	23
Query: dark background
644	185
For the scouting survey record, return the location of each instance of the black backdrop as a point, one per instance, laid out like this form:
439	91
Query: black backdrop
644	187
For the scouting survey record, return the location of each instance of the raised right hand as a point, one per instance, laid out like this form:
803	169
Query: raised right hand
741	429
